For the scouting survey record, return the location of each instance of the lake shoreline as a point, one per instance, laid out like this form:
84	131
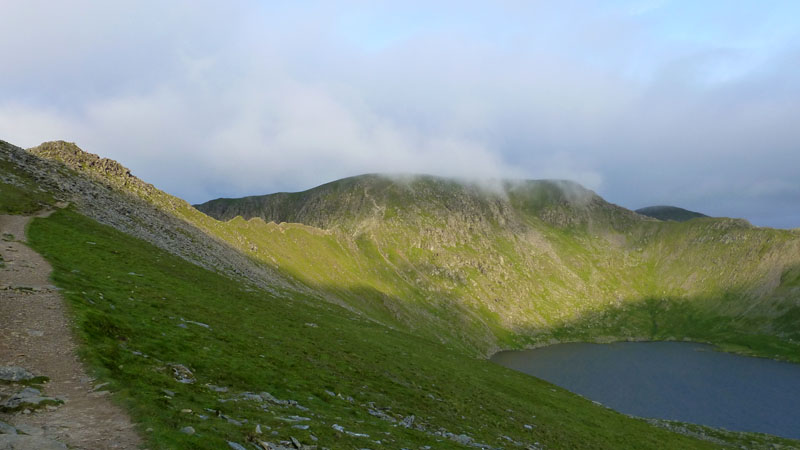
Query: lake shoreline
719	347
678	381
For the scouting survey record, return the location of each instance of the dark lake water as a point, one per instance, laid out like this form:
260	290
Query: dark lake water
673	380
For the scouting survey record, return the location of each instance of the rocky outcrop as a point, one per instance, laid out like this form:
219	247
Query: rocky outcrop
28	399
106	191
15	374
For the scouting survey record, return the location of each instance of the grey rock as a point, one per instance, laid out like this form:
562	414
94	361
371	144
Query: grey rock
270	398
182	373
28	398
251	396
354	434
271	446
7	429
100	386
30	430
381	415
187	430
460	438
15	374
235	446
407	422
199	324
231	420
22	442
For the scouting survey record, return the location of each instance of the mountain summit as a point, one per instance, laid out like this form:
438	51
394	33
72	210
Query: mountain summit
343	202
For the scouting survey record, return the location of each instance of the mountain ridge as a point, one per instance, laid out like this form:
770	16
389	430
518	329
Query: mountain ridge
515	267
428	289
665	212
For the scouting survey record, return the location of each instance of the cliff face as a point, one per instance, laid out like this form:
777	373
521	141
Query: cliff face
479	266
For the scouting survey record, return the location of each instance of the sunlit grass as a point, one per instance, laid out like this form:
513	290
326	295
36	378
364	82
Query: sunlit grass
130	299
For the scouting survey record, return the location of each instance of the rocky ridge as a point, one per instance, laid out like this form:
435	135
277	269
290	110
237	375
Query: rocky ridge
107	192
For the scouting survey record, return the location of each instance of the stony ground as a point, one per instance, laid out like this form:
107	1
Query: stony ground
36	340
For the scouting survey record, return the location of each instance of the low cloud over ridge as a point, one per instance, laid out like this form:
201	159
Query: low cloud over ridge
644	102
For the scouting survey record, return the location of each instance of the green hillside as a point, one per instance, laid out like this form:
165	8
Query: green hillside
380	300
509	264
129	300
525	263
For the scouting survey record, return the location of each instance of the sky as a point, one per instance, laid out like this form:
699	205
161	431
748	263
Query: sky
646	102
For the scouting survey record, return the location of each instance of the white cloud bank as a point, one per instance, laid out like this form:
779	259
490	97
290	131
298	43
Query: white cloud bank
212	99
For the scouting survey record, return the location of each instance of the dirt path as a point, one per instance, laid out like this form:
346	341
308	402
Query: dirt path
35	333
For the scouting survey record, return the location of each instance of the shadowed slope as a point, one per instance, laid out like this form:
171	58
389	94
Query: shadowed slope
669	213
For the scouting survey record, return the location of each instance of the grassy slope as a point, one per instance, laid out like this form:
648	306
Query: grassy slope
129	297
532	269
511	265
19	193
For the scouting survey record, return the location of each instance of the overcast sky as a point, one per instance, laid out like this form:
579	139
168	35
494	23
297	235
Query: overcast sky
689	103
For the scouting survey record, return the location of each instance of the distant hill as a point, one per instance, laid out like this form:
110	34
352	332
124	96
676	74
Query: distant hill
669	213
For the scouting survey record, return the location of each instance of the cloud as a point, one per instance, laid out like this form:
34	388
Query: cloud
633	99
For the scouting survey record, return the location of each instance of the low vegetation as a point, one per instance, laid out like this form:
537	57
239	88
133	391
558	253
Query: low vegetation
143	315
542	262
19	193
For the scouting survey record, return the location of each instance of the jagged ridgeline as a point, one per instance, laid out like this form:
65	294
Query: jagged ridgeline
501	264
350	315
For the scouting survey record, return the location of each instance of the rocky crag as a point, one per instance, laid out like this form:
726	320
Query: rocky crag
106	191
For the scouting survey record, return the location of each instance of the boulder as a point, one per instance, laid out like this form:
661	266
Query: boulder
28	398
15	374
